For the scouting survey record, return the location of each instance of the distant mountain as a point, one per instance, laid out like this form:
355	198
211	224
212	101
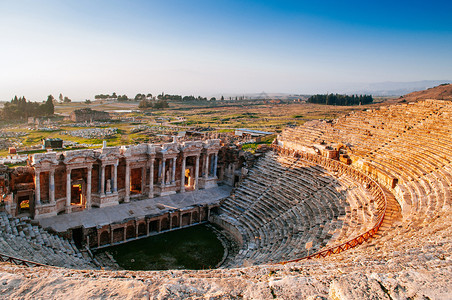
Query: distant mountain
390	88
441	92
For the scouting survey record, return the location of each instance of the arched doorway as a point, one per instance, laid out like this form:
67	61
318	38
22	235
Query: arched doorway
104	238
141	229
130	232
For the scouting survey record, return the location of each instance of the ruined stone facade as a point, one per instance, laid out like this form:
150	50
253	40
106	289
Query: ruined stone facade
88	115
71	181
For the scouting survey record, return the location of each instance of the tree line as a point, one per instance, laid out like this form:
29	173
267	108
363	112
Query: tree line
159	104
112	96
21	109
149	96
343	100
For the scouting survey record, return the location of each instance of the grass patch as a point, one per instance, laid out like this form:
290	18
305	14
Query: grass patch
21	164
194	247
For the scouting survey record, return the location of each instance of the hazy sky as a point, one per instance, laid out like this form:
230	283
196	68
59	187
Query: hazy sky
83	48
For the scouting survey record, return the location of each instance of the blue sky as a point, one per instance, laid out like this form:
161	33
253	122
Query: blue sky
82	48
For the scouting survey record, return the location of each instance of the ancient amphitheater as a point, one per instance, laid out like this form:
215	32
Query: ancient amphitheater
354	208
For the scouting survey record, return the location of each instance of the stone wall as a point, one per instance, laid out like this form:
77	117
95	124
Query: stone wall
88	115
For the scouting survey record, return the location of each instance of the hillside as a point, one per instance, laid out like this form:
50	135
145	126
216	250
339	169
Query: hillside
440	92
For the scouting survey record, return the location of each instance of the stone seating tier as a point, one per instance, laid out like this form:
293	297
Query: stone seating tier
298	213
20	239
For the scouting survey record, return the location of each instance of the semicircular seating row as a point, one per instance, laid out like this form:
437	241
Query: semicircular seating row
411	142
20	239
288	208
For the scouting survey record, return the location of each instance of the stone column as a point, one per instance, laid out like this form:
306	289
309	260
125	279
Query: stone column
88	188
68	190
127	187
163	172
52	186
206	171
102	181
151	179
143	179
197	172
136	227
215	163
115	178
173	173
182	178
37	188
159	173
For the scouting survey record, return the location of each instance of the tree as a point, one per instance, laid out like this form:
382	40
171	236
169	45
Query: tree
145	104
140	97
161	104
49	108
21	109
222	98
336	99
66	100
123	98
60	97
87	101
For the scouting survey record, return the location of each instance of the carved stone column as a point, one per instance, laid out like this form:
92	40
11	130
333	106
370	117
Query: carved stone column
173	173
52	186
163	172
215	163
151	179
206	169
88	188
127	197
182	178
115	178
143	179
102	180
37	188
159	173
197	173
68	190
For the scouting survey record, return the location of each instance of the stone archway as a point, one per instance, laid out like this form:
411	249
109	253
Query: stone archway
104	238
174	222
130	232
165	223
186	219
141	229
